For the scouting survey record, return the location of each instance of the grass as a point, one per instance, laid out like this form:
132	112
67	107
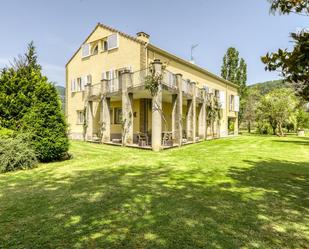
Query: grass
242	192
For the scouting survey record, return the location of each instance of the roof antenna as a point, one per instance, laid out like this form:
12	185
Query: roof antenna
192	48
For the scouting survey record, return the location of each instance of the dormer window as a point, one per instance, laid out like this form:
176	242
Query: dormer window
95	50
112	41
105	46
85	50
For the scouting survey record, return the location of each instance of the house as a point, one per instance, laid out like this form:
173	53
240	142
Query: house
107	99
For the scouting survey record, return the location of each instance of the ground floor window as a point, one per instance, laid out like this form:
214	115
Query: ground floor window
231	125
118	115
80	117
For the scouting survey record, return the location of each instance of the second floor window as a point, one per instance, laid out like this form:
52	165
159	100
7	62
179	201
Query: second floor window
86	50
95	50
79	86
231	102
104	46
112	41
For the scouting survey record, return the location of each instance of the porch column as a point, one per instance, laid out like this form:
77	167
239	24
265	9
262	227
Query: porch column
189	119
156	133
202	117
106	120
194	89
177	111
127	108
89	117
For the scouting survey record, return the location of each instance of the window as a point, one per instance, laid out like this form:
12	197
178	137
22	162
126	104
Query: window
107	75
112	41
89	79
85	50
73	85
80	117
105	46
217	93
79	85
118	116
95	50
231	102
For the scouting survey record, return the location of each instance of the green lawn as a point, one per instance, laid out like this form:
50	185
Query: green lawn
243	192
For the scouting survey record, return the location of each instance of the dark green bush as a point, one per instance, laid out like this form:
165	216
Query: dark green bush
45	121
16	153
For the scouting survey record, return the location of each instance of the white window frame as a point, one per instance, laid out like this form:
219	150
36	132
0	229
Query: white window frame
117	41
84	55
79	84
88	79
73	86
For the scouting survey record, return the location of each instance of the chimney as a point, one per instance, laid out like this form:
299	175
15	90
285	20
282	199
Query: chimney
143	36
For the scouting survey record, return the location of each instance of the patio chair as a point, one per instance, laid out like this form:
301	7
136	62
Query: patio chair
142	139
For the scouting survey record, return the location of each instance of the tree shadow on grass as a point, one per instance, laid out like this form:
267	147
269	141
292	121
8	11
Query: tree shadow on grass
296	142
262	206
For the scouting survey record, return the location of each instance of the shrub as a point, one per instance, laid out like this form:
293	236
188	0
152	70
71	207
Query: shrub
264	128
4	132
45	121
16	153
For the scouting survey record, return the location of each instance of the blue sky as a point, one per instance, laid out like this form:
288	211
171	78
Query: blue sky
59	27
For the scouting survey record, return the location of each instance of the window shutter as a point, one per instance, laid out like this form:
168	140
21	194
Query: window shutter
89	79
83	82
236	103
86	50
112	41
222	99
72	85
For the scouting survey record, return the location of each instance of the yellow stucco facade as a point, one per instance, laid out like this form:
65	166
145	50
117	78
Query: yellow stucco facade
95	83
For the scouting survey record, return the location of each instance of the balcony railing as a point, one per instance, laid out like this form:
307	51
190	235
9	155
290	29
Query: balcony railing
95	90
186	87
169	79
138	78
113	85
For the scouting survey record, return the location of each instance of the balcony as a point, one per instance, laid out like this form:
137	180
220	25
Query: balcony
114	86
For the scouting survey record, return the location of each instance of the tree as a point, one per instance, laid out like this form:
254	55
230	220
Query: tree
293	65
229	68
290	6
302	117
45	122
17	86
241	77
235	70
250	106
29	103
213	113
276	107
